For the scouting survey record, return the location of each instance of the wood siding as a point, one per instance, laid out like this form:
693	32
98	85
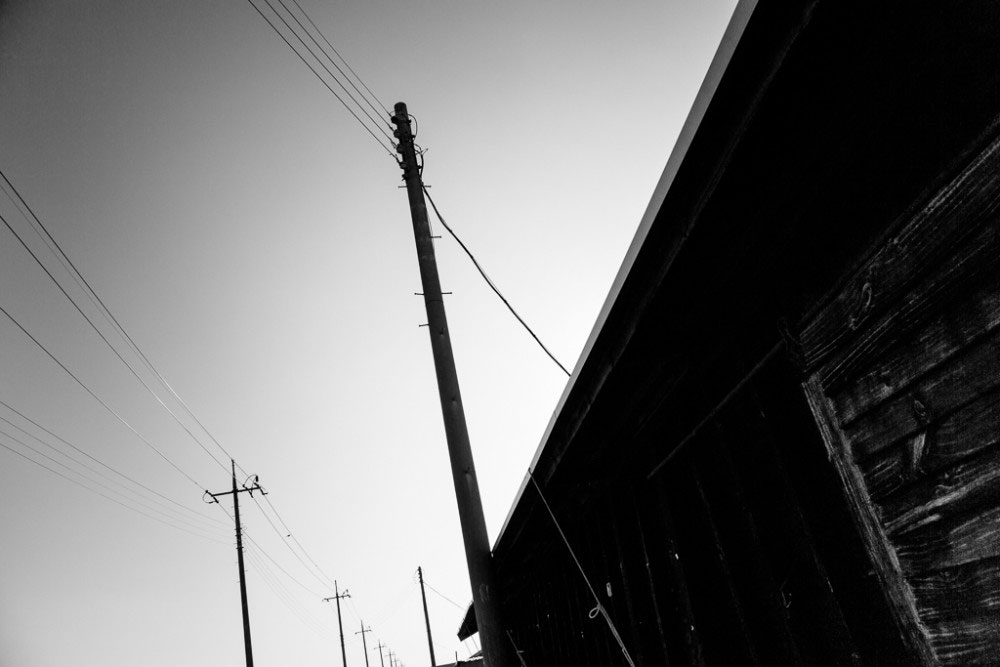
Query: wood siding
904	381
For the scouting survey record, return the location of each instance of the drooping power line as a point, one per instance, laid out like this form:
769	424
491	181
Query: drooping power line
491	284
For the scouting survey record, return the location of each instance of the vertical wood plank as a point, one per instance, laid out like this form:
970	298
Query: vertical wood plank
633	618
752	577
675	590
814	612
898	592
717	552
647	562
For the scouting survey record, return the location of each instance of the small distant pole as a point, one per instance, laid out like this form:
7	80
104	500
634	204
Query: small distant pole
363	643
338	596
248	649
380	647
427	618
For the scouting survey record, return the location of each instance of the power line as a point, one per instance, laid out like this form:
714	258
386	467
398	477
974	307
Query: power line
262	552
102	463
318	60
106	497
491	283
107	342
278	565
278	533
125	501
283	594
346	64
332	62
36	223
108	314
182	518
444	597
374	120
318	75
291	535
354	609
99	399
95	298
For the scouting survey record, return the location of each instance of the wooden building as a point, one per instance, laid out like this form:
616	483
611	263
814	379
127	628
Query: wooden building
782	442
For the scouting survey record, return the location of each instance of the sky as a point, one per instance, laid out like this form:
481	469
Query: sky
252	239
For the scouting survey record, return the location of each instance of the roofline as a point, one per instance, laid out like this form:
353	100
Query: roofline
720	62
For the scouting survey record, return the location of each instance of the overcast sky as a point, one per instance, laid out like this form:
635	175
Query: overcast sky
252	239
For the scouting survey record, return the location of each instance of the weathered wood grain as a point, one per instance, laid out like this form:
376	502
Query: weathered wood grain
971	590
886	564
887	472
945	389
949	493
962	434
967	642
949	217
950	542
937	342
951	279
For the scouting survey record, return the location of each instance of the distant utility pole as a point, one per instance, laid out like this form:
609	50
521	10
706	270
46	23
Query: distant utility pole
380	647
463	469
363	643
427	618
239	552
338	596
392	659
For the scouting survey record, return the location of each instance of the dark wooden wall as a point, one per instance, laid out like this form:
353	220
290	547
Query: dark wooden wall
741	551
853	518
840	505
905	381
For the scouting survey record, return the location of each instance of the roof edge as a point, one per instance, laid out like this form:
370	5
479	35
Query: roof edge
713	77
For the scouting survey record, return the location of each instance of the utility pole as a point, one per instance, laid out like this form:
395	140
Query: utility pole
463	469
392	659
427	618
239	552
338	596
380	647
363	643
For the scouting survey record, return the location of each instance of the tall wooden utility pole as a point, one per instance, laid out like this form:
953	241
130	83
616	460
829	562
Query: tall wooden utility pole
380	647
463	470
364	644
427	618
239	554
338	596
